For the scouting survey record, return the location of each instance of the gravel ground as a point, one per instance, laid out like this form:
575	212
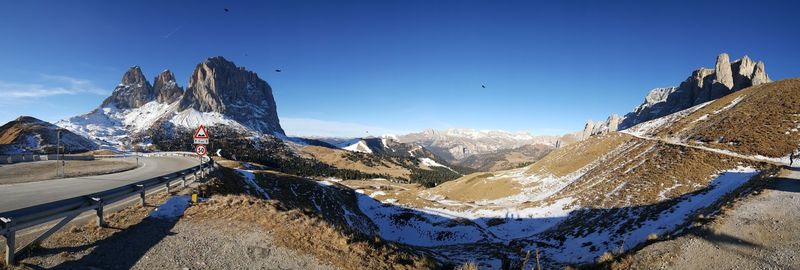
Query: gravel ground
134	242
159	244
762	232
45	170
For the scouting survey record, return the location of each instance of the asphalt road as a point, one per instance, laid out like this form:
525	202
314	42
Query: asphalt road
15	196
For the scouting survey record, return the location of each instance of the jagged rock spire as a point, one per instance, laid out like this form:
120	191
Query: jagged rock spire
165	88
133	91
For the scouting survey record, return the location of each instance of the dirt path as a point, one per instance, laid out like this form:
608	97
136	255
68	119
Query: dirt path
46	170
761	232
718	151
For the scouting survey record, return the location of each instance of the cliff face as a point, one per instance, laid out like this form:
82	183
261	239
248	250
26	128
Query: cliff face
703	85
165	89
218	85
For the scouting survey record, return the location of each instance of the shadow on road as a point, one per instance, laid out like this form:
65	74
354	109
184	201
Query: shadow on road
784	184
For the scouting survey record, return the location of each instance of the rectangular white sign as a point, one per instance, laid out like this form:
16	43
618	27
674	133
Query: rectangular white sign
200	141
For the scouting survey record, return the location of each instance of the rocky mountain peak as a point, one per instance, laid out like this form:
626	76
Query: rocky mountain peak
722	69
218	85
703	85
165	88
134	75
133	91
601	127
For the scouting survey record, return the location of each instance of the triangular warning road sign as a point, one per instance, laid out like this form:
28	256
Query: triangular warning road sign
201	133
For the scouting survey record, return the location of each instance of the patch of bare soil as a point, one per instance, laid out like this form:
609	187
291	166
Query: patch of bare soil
46	170
758	232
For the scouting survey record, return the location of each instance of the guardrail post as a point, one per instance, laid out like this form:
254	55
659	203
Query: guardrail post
167	186
99	212
141	194
11	238
183	181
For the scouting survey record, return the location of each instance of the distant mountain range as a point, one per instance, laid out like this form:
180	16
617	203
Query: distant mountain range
455	144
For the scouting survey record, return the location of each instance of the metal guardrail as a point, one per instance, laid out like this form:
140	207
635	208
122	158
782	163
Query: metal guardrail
68	209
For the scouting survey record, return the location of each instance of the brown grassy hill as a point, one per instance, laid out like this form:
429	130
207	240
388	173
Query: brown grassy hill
320	218
349	160
507	158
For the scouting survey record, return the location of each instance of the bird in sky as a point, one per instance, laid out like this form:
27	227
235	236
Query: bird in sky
278	70
483	86
227	10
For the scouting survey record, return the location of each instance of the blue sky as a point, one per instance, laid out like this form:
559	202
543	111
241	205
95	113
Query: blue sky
391	66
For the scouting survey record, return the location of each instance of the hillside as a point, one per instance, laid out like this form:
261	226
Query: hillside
30	135
609	192
761	120
505	159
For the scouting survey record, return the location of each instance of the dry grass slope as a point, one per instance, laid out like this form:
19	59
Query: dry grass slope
575	156
337	158
477	186
765	122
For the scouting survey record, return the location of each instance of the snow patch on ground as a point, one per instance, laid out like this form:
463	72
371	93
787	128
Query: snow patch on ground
397	223
511	223
432	163
191	118
666	222
110	126
359	146
172	209
250	179
730	105
649	127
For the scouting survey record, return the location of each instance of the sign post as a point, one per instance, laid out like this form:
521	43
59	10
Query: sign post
201	140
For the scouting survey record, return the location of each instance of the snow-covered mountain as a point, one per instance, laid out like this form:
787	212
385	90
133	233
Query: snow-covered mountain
454	144
219	93
30	135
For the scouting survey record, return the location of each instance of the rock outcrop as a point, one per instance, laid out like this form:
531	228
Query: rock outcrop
722	69
218	85
587	129
602	127
759	75
132	92
165	89
703	85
